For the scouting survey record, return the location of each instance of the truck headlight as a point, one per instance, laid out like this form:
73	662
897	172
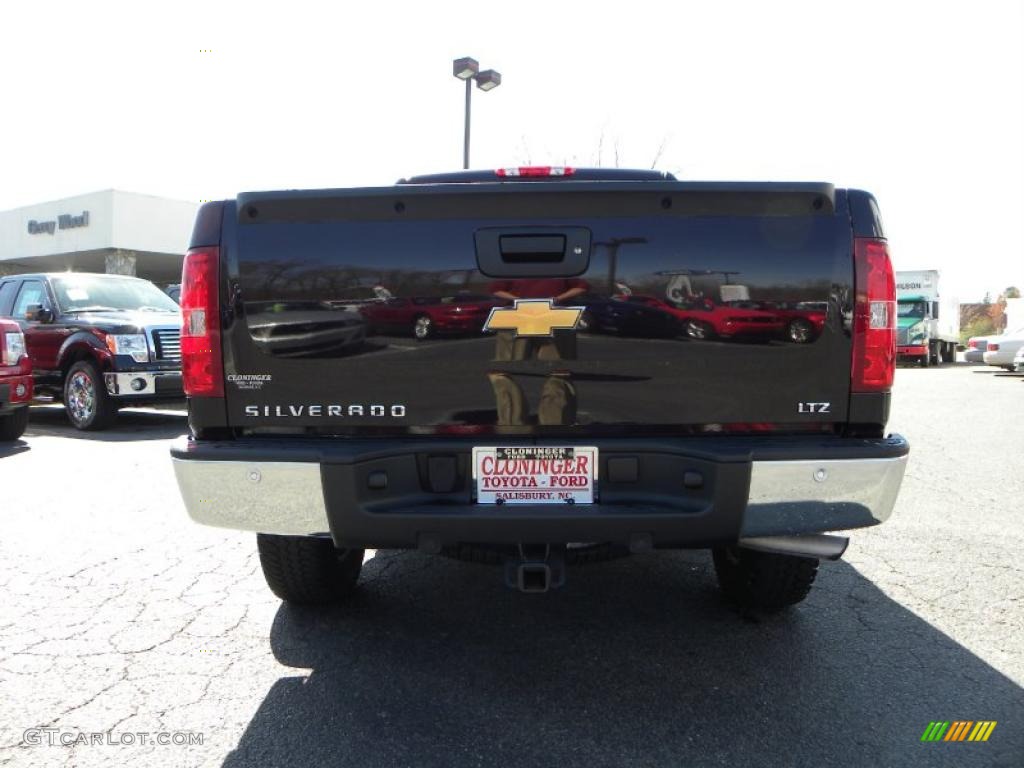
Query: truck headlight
14	348
133	344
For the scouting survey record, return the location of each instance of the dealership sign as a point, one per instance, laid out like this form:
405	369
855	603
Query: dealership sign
64	221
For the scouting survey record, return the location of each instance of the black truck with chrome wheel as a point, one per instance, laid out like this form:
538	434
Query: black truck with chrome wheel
97	342
532	445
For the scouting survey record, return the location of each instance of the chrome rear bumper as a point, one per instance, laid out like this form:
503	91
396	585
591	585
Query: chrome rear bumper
268	496
786	498
796	497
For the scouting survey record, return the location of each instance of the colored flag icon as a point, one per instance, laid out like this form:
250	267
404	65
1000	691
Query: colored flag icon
958	730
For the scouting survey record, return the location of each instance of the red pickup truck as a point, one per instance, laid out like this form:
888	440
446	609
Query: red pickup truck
15	381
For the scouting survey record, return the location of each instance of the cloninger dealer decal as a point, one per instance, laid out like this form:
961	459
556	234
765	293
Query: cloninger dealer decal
535	475
249	380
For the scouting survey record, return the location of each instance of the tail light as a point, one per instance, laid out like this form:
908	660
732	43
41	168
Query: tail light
874	318
992	347
972	344
202	369
534	171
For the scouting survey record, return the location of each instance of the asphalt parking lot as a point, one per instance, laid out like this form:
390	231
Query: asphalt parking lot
124	619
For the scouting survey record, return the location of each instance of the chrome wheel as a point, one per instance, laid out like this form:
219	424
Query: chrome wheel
800	331
422	327
695	329
81	397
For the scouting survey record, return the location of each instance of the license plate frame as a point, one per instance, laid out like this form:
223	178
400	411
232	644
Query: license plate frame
535	474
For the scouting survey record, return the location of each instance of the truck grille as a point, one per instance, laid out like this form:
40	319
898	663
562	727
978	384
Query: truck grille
167	343
902	337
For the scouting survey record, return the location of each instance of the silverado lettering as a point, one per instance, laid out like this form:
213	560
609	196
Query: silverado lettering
295	411
660	416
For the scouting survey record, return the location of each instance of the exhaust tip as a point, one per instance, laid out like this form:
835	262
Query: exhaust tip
822	546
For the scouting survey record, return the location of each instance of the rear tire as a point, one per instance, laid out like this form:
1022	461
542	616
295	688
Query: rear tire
308	570
12	425
763	582
86	401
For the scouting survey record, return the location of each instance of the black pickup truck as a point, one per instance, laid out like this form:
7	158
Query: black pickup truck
97	342
543	440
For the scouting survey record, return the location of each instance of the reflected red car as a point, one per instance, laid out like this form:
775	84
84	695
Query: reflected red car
803	322
428	317
703	319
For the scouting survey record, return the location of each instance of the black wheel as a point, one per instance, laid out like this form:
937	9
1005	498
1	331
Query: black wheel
763	582
586	322
925	360
12	425
696	329
937	358
308	569
86	401
799	331
422	327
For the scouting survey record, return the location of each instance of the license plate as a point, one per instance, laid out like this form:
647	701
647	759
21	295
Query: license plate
535	475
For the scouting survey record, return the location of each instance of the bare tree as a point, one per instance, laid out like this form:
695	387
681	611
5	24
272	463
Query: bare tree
603	139
658	154
525	157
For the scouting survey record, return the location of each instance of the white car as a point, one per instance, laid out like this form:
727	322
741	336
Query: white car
976	347
1002	350
1018	361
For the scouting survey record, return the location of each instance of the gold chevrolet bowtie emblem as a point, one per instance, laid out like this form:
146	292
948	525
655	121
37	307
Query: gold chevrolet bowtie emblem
533	317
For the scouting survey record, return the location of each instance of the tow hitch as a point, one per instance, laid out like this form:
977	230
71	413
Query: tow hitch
536	569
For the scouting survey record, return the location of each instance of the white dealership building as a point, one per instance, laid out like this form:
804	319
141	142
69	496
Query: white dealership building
109	231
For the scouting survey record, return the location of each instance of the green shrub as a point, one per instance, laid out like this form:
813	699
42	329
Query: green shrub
982	326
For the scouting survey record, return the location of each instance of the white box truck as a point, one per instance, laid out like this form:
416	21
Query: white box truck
928	326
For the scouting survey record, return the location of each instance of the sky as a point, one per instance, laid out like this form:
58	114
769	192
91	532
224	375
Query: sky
920	103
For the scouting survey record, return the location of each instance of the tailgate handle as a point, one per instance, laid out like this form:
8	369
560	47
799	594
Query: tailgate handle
531	249
533	252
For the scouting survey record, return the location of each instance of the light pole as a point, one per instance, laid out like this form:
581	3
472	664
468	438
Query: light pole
613	255
469	70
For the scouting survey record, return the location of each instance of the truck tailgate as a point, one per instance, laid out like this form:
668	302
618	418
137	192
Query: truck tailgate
688	308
